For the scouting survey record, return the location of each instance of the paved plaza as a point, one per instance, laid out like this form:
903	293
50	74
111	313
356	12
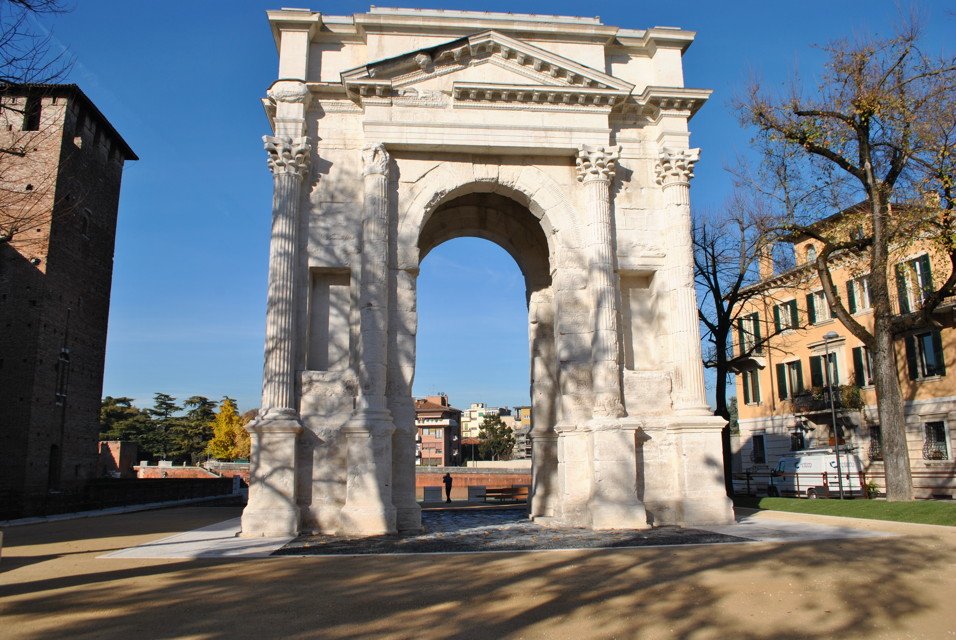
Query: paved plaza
158	574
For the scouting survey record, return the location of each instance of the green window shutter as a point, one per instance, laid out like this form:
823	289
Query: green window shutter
939	353
912	365
798	367
794	318
744	381
901	288
859	372
925	274
811	310
834	369
755	392
782	381
740	337
755	326
850	296
776	318
816	371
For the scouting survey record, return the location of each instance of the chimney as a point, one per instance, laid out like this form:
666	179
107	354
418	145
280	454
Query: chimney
765	261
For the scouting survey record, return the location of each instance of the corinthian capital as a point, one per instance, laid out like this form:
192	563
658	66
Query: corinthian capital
287	155
676	166
596	163
374	159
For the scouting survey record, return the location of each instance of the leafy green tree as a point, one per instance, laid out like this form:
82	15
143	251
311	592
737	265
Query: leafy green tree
191	433
495	440
160	440
230	441
121	420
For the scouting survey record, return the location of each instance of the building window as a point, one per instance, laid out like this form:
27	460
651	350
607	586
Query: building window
811	254
858	294
914	283
876	443
862	367
798	441
785	316
750	380
748	334
31	114
924	355
818	376
818	310
759	453
935	446
789	379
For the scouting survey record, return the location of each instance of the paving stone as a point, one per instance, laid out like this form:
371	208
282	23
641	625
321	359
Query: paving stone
476	530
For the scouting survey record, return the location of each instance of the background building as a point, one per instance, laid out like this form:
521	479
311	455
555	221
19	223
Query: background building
59	194
472	418
438	438
782	392
523	426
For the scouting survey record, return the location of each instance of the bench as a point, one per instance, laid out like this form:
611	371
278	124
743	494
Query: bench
507	494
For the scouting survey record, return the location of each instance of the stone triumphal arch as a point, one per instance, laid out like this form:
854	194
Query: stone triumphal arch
561	139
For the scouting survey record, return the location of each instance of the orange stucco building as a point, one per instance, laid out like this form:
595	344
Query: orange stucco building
781	385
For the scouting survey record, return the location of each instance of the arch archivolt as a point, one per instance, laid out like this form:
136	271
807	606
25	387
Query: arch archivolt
527	185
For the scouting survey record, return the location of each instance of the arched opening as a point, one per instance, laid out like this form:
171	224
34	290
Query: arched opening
515	229
472	351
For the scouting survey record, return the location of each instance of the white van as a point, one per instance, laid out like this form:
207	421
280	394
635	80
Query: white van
812	472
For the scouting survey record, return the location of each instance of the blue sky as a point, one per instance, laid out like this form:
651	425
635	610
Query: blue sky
182	82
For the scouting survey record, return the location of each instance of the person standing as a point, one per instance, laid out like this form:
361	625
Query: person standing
448	482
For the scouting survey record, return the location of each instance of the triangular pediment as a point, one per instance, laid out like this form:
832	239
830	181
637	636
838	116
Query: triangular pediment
485	66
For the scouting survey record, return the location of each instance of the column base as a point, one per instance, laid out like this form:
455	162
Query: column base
373	520
272	510
408	518
611	515
707	511
269	523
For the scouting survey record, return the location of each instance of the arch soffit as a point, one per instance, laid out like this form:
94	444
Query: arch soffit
525	184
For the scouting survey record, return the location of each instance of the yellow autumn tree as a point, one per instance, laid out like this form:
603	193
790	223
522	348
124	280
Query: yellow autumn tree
229	441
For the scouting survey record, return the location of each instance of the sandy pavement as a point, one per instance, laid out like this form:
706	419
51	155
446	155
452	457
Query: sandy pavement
53	585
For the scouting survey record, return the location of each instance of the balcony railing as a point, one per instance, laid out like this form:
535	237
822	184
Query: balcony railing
845	398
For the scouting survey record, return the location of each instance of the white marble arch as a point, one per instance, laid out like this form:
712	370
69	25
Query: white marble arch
565	141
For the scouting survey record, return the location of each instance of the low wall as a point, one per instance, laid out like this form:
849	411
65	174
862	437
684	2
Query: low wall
105	493
464	477
151	472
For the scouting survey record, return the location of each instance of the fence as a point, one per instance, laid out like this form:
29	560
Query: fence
926	484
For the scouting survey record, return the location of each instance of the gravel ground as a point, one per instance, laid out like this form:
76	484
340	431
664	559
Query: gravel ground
494	530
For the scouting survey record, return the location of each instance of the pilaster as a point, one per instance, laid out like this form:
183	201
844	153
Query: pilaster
368	504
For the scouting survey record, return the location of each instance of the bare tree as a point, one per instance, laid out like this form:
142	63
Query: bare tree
729	249
878	129
29	60
27	53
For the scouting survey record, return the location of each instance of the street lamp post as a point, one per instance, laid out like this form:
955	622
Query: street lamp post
833	335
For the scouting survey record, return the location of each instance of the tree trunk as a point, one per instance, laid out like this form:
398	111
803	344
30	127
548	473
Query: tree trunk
889	404
720	400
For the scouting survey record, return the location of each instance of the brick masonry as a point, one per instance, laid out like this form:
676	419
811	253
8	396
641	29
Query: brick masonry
55	279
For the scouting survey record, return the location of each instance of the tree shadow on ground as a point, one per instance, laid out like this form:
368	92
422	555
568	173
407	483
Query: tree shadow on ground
810	590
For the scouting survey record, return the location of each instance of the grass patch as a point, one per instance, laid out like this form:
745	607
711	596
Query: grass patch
918	511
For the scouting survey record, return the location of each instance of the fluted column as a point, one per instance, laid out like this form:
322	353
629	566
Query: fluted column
288	160
272	508
368	495
595	167
675	168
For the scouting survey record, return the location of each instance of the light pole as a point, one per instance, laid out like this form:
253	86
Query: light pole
833	335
